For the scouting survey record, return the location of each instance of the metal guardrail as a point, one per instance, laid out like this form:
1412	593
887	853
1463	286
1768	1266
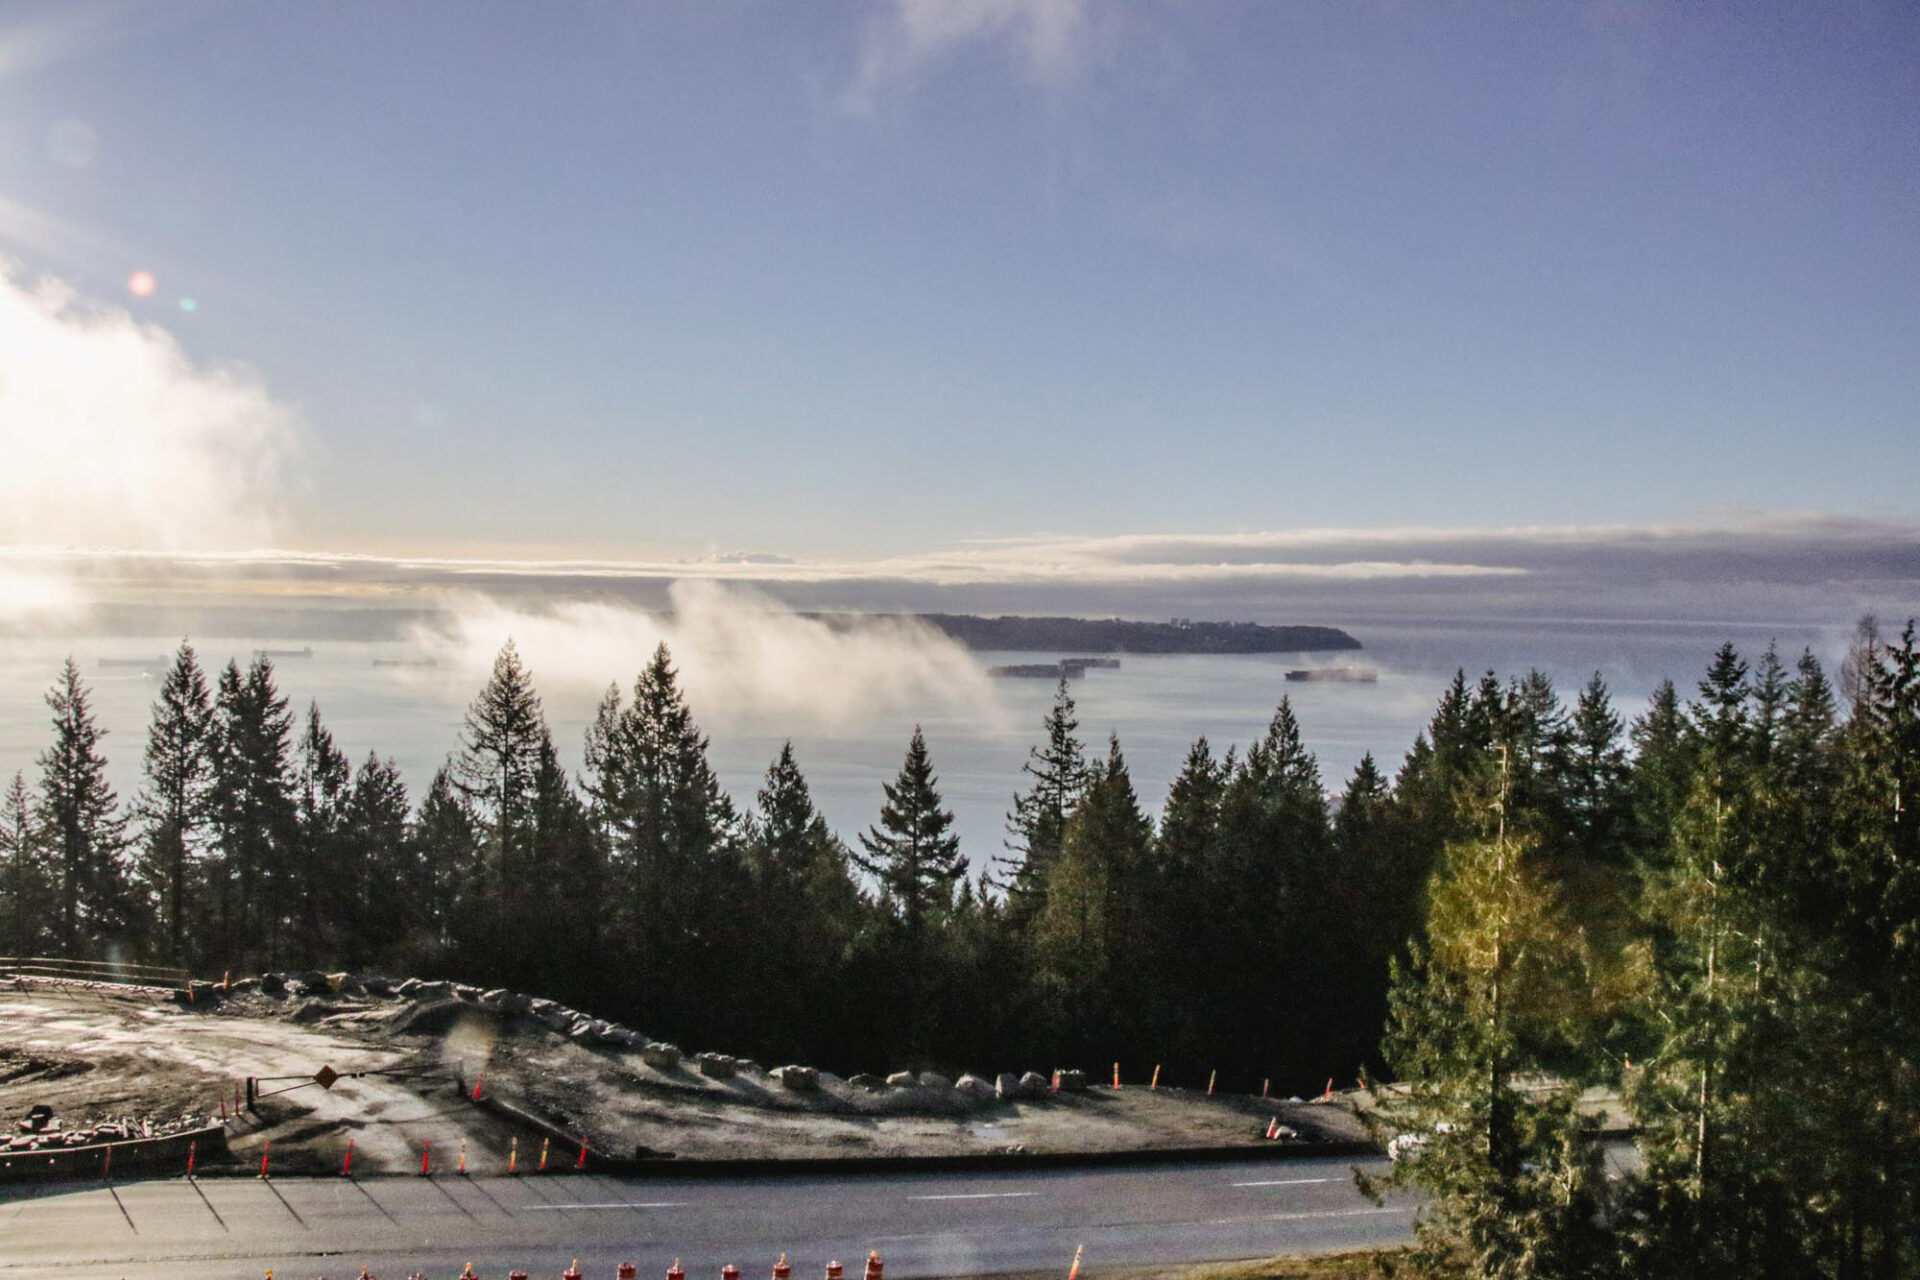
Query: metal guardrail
63	969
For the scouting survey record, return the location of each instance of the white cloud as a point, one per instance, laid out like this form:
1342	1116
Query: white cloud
912	34
113	438
741	656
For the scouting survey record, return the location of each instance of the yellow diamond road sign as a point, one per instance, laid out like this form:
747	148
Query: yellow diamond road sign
325	1077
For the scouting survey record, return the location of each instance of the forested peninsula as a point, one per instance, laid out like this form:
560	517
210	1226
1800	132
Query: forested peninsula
1117	635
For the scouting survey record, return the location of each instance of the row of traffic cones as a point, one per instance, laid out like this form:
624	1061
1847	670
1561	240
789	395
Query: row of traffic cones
627	1271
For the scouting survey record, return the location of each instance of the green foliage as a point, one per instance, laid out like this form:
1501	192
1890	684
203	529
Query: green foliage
1038	824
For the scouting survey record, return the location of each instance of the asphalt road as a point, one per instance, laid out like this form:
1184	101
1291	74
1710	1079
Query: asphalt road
922	1224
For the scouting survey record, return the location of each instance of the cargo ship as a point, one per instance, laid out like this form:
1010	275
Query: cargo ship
1339	675
1066	668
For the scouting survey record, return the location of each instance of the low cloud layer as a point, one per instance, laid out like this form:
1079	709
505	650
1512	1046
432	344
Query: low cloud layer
741	656
1757	569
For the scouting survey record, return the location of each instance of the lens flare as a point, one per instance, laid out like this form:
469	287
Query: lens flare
189	305
141	284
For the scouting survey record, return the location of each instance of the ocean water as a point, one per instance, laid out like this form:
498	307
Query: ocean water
1157	705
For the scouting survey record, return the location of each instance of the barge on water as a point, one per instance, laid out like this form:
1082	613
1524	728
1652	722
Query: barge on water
1338	675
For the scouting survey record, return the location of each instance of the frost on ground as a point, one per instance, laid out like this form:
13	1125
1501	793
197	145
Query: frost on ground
97	1055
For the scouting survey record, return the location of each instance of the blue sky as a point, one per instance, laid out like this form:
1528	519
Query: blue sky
865	280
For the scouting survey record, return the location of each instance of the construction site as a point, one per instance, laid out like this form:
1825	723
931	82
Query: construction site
316	1073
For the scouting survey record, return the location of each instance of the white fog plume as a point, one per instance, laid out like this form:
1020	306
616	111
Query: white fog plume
113	438
741	656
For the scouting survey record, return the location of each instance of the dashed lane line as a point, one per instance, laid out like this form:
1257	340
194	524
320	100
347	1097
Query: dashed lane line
981	1195
1302	1217
1284	1182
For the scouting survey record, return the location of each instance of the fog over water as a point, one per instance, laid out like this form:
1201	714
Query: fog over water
850	708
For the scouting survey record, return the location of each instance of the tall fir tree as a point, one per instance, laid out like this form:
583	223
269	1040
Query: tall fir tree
671	838
174	804
26	874
1098	897
80	816
1060	775
253	814
913	853
322	791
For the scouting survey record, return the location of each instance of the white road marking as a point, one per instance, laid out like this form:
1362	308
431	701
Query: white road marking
657	1204
1300	1217
1284	1182
981	1195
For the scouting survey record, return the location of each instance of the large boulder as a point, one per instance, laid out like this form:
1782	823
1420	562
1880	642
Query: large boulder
934	1080
1006	1086
903	1080
586	1030
866	1080
463	991
624	1038
973	1087
1034	1085
661	1056
798	1079
715	1066
436	990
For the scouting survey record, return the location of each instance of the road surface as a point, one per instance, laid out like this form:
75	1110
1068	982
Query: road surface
922	1224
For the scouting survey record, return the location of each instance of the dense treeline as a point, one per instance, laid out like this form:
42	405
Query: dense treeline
1247	931
1721	922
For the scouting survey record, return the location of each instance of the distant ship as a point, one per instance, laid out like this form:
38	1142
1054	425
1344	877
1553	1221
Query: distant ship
1339	675
1066	668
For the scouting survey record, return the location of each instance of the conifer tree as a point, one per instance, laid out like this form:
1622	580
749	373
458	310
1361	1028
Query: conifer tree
374	868
671	840
26	874
1038	821
1596	779
913	853
174	805
79	814
807	907
1098	895
445	848
322	792
1512	1174
500	746
253	813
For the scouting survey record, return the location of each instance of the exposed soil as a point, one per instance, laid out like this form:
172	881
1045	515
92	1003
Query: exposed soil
96	1054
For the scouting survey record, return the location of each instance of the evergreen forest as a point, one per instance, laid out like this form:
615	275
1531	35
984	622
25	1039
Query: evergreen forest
1713	909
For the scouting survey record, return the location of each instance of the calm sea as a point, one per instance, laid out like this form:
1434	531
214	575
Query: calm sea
1157	705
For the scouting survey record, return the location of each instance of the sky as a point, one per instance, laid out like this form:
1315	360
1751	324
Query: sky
1054	296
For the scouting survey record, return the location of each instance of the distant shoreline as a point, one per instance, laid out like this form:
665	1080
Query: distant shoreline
1116	635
